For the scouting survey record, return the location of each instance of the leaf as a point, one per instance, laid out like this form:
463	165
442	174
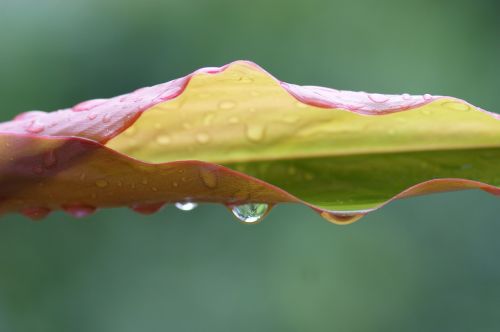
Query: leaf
236	135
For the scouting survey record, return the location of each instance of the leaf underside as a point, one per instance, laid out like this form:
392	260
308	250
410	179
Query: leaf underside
236	135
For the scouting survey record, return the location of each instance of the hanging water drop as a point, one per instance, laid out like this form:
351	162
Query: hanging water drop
35	213
341	218
186	206
79	210
250	213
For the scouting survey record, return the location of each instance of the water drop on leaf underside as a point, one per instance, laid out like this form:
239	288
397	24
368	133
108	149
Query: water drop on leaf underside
251	212
186	206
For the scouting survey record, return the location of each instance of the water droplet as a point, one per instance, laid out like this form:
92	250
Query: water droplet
427	96
79	210
227	104
341	219
87	105
458	106
405	96
251	212
35	127
163	139
28	115
309	176
208	118
291	118
202	138
466	166
186	206
255	133
378	98
92	116
245	79
209	177
37	169
106	118
35	213
147	208
49	159
101	183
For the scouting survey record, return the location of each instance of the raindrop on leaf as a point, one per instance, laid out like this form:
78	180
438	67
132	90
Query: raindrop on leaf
250	213
186	206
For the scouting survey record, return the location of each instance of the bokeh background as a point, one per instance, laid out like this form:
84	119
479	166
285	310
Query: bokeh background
422	264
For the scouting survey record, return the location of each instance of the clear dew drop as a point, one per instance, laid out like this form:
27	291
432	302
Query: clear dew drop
186	206
250	213
35	127
456	106
92	116
106	118
227	104
427	96
35	213
49	159
202	138
208	177
255	133
208	118
245	79
163	139
378	98
101	183
79	210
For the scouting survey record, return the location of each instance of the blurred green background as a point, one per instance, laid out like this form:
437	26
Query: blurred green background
422	264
